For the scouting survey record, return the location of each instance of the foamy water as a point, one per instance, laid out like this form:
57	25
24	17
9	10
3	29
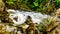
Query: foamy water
22	16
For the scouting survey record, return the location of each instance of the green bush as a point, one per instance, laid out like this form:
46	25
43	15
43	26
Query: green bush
57	3
44	23
44	6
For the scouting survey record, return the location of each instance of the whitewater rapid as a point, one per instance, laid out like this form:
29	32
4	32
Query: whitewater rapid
21	16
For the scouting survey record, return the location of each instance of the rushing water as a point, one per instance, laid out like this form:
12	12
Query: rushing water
21	16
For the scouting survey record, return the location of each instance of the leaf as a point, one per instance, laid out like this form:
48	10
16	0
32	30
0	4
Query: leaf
10	2
36	3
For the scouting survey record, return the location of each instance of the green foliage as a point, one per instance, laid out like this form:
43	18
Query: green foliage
44	6
31	3
35	3
44	23
41	27
10	1
57	3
